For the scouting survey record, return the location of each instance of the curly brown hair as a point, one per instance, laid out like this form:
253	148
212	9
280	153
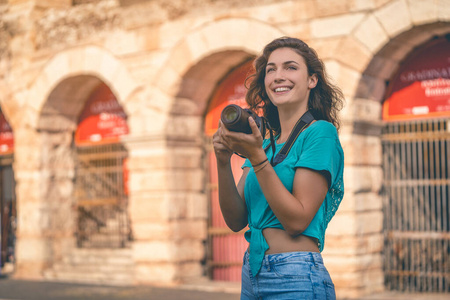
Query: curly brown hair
325	100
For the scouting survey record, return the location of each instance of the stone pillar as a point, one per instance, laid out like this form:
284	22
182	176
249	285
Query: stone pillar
354	240
33	220
168	208
44	171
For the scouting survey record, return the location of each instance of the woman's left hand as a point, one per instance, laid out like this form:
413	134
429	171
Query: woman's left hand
248	145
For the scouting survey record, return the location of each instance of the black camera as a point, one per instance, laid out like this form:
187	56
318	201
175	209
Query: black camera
235	118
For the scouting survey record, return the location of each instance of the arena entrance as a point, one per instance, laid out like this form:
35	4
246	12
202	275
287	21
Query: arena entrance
416	151
101	173
8	211
226	248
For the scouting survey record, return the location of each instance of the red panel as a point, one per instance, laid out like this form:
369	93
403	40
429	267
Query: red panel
102	119
421	88
6	136
232	90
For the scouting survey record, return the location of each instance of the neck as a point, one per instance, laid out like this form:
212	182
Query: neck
288	119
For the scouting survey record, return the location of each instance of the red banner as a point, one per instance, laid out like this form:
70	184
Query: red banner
232	90
102	119
421	88
6	136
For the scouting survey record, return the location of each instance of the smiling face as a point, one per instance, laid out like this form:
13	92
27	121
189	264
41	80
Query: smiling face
287	81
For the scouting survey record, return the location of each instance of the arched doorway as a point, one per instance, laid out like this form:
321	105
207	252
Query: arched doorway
416	151
226	248
101	173
8	211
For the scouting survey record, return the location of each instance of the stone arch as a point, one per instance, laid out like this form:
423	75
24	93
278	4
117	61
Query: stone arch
79	63
201	59
238	39
379	40
53	104
386	61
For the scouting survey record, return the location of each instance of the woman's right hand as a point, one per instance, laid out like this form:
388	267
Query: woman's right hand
223	153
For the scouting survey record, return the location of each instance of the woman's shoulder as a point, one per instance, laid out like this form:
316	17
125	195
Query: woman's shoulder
322	128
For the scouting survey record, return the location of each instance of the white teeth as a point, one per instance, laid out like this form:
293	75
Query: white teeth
282	89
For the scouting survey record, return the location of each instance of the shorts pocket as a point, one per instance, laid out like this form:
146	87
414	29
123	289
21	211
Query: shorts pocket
329	290
298	269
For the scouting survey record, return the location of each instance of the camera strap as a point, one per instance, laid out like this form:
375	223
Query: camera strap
301	124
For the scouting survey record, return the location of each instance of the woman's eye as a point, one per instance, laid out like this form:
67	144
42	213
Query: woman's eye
292	68
269	70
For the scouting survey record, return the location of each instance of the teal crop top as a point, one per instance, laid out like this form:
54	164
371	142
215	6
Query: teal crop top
317	148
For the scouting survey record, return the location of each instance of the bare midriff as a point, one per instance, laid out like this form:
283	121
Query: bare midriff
280	241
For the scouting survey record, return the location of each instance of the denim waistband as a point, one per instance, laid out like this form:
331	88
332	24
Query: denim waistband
313	257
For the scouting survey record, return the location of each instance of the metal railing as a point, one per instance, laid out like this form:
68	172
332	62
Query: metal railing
101	197
416	205
8	211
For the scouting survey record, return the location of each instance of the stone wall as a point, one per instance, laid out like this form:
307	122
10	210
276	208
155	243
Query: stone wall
163	59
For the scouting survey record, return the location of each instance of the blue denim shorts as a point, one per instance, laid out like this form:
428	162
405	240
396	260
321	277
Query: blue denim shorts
286	276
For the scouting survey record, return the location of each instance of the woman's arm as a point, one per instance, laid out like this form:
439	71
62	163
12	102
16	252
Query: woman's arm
231	197
295	210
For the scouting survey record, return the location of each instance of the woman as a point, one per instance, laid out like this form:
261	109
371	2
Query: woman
286	204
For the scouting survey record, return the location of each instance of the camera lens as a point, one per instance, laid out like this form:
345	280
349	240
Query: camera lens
230	114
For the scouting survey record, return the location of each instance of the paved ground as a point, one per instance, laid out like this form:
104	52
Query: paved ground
11	289
32	290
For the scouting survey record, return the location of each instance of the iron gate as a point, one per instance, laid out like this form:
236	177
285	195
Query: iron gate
100	192
8	212
416	205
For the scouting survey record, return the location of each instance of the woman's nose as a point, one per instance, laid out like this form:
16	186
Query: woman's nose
279	76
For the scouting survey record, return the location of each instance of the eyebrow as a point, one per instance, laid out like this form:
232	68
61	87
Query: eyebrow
285	63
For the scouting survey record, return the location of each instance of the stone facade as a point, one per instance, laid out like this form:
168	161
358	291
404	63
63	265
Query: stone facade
163	59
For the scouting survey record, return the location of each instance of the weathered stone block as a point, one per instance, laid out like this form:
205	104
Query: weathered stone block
363	179
349	245
189	270
332	8
353	53
177	205
149	180
394	17
371	34
336	25
148	230
354	263
41	249
185	157
345	223
186	180
146	207
188	229
362	150
423	11
187	250
365	110
326	48
361	202
156	273
197	206
346	78
168	251
153	251
187	127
